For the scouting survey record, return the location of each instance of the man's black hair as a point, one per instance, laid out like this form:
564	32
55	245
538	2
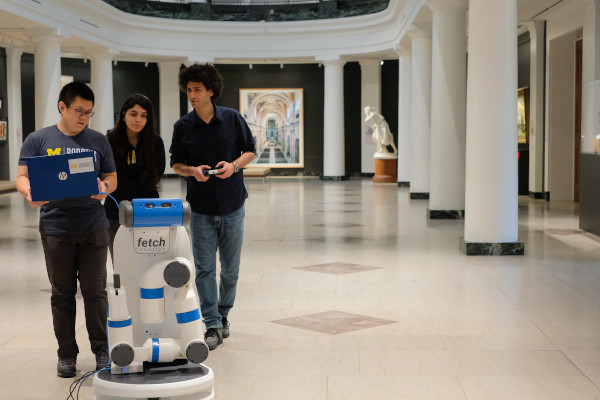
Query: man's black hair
75	89
207	74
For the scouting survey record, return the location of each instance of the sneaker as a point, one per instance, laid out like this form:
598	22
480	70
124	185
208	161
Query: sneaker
213	337
225	331
66	367
102	360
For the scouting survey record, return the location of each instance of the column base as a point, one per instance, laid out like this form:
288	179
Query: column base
492	249
536	195
366	174
404	184
446	214
419	196
334	178
385	170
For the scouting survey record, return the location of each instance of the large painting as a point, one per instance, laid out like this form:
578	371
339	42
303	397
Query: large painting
275	117
523	115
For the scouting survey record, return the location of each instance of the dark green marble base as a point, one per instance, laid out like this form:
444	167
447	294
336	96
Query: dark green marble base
492	249
446	214
404	184
334	178
536	195
366	174
419	196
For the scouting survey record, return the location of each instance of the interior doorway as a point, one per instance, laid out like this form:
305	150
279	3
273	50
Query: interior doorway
577	133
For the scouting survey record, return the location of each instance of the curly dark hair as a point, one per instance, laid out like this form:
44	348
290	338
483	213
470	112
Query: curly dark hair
207	74
146	146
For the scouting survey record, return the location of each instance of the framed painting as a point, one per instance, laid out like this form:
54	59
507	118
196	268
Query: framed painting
523	115
3	129
276	119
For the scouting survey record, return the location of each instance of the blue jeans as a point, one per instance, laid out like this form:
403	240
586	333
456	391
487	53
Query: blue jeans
209	234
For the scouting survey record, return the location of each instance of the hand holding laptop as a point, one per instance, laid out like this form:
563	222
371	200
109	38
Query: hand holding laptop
101	189
35	204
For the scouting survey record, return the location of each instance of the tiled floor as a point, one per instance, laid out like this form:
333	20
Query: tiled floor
439	325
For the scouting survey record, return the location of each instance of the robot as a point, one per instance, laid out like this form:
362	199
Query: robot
155	336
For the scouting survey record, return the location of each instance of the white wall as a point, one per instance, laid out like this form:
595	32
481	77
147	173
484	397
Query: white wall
560	100
561	121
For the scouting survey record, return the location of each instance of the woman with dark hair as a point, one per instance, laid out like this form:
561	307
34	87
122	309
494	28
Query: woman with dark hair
139	155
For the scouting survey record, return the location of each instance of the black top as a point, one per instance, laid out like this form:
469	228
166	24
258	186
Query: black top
197	143
133	172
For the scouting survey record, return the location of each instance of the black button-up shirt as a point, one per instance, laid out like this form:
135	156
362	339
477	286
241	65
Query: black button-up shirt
196	143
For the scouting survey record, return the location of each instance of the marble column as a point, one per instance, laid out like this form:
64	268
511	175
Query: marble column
169	104
47	73
491	198
537	34
334	162
421	115
448	109
590	101
102	85
13	103
404	113
370	94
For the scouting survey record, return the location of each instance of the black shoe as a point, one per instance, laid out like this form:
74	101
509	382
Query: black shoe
66	367
225	331
102	359
213	337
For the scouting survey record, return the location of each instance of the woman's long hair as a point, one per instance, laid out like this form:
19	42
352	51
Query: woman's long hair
145	149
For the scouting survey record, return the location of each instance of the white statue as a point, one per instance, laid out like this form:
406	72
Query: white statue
382	136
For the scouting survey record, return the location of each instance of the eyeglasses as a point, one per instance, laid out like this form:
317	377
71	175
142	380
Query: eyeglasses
81	113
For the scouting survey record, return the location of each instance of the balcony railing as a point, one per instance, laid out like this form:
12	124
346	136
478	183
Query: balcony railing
250	10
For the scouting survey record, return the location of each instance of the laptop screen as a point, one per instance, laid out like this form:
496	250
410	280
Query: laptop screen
62	176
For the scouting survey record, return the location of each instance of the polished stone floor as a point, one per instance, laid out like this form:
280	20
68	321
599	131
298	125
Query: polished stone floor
348	291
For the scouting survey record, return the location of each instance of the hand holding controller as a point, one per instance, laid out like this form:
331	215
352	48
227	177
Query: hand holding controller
207	172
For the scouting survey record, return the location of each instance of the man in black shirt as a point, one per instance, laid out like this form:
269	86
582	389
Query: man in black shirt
213	137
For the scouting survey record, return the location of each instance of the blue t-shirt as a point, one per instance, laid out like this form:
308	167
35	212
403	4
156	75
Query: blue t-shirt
70	216
196	143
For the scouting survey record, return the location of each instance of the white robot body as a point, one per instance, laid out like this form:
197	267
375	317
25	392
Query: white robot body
154	314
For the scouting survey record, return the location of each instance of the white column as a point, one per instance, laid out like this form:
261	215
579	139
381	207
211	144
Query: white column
13	102
404	113
370	94
169	104
536	108
590	102
491	219
334	163
102	85
421	115
448	108
47	73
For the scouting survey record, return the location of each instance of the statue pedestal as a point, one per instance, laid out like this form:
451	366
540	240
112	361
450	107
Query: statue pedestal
385	170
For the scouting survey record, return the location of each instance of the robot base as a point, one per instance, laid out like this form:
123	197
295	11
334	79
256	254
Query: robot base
178	382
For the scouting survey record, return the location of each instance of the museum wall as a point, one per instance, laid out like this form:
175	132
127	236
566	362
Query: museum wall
131	77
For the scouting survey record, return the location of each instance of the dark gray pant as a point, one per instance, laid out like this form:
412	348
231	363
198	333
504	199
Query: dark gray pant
70	258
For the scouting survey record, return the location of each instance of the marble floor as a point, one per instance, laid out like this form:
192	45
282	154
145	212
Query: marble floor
348	291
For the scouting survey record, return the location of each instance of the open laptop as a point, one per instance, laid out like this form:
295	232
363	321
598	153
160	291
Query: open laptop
62	176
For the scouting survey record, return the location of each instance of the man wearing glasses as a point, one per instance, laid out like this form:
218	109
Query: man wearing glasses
74	231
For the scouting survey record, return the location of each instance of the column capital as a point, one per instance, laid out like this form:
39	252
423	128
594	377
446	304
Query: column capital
417	33
366	63
199	59
436	5
402	51
103	55
333	62
46	34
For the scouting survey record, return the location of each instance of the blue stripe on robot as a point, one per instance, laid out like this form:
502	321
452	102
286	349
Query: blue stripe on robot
152	293
155	348
119	324
189	316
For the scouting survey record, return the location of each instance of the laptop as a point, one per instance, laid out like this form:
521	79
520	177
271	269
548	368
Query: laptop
62	176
